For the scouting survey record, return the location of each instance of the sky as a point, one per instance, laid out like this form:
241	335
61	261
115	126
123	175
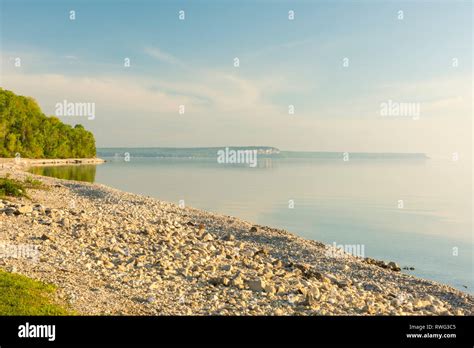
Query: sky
336	62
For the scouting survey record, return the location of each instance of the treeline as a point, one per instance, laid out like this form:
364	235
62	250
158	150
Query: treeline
25	130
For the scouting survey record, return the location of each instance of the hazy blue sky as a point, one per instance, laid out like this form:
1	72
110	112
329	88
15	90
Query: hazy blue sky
282	62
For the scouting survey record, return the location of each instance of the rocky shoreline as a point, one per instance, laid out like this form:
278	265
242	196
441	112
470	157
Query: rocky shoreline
24	163
116	253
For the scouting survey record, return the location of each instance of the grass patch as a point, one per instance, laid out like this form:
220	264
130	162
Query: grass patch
20	295
33	183
12	188
15	188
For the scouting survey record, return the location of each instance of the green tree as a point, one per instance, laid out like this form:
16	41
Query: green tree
26	130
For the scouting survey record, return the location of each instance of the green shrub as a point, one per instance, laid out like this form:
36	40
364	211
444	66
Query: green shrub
33	183
12	188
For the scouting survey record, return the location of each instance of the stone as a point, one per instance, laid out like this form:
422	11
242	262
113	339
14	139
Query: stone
154	286
382	264
227	268
215	281
147	231
277	264
50	212
393	266
237	282
332	278
38	206
372	287
312	297
314	290
207	237
229	237
108	265
65	222
46	222
211	268
46	237
25	209
368	309
418	304
269	289
151	299
253	229
429	298
256	284
344	283
11	211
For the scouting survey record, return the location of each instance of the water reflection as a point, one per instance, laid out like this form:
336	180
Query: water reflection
69	172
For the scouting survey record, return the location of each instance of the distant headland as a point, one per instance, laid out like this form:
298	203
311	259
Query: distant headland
262	151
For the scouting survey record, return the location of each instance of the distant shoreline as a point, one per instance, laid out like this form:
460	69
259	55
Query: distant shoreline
262	151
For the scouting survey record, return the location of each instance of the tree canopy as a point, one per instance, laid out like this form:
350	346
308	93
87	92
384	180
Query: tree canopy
24	129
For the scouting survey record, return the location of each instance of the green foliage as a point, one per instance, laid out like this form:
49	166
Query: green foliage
20	295
12	188
15	188
30	182
24	129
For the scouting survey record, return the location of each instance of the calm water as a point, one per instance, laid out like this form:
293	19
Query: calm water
354	202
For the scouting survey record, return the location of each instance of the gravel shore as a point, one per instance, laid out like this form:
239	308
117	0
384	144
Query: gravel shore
116	253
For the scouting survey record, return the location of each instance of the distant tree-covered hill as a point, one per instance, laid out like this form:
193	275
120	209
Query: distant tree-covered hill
24	129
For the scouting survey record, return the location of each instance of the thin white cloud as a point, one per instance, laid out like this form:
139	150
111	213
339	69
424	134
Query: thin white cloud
162	56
